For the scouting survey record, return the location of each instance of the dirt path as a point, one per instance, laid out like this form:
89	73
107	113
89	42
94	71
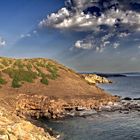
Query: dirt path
8	66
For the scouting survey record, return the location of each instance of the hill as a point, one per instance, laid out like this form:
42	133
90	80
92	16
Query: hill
40	76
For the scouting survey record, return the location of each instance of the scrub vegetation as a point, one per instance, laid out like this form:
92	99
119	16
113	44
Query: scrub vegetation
27	70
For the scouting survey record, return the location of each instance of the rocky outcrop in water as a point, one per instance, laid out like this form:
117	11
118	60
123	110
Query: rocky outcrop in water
15	128
93	79
43	106
125	105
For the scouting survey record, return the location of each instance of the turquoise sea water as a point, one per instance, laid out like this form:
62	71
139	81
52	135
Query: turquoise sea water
105	126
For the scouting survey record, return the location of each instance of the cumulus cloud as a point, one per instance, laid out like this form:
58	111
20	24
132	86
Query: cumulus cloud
117	15
2	42
94	42
65	18
56	18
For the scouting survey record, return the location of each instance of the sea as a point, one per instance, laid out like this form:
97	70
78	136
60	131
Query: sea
105	125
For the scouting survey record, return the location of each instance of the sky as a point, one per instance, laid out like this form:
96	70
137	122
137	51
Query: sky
86	35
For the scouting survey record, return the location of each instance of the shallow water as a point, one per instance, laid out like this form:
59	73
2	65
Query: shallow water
112	126
105	126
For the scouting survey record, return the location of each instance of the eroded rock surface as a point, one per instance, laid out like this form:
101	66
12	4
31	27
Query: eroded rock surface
43	106
15	128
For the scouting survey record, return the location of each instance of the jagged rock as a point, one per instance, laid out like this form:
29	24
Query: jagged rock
14	128
39	106
43	106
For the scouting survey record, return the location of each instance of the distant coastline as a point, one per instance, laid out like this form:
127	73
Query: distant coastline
113	74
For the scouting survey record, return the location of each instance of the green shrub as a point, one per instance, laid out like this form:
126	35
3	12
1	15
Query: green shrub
53	70
2	81
15	83
20	75
29	67
44	81
19	64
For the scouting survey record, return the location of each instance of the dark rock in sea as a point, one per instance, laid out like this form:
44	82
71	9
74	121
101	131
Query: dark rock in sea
127	98
136	99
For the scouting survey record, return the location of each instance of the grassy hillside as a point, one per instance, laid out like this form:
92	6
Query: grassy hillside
42	76
27	70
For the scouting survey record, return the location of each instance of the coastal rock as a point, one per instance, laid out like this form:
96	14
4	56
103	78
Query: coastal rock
127	98
93	79
39	106
43	106
14	128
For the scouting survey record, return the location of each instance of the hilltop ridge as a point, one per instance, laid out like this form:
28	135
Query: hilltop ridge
44	77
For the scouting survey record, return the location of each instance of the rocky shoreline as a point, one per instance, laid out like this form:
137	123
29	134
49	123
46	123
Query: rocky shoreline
15	128
42	106
30	107
38	106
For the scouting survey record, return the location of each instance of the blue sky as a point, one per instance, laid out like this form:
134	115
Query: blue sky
86	35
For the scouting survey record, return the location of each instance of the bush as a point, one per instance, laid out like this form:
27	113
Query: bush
15	83
44	81
2	81
19	64
53	70
20	75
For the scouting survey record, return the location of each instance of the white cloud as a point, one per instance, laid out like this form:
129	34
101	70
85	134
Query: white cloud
116	45
106	37
123	34
56	18
65	19
2	42
92	42
76	20
80	44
